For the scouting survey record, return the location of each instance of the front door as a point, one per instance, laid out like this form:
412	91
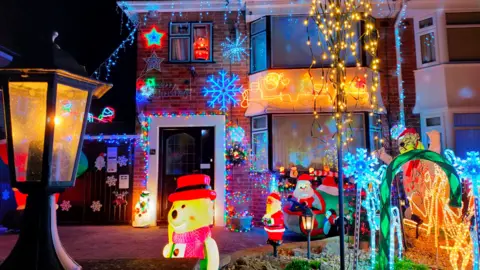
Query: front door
183	151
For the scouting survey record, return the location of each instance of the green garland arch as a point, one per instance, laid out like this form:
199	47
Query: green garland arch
385	190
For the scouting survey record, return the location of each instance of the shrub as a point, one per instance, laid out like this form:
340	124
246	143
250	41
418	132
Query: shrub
303	265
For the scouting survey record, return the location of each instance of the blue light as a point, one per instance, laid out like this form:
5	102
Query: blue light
234	50
223	90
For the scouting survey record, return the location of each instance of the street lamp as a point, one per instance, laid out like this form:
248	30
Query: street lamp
46	101
307	220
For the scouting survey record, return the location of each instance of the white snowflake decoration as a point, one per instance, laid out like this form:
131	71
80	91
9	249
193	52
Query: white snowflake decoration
360	166
65	206
122	161
5	195
223	90
100	163
96	206
235	50
111	181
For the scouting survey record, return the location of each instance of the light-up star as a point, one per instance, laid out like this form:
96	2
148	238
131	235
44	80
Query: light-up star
223	90
153	62
154	37
5	195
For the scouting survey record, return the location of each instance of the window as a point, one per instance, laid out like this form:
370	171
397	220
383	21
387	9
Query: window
426	42
190	42
297	140
375	142
260	143
427	47
258	39
281	42
463	36
467	132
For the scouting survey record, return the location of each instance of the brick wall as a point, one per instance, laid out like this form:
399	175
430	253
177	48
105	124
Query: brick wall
177	73
389	79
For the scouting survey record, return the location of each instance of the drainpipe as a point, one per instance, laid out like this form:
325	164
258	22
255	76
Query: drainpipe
398	42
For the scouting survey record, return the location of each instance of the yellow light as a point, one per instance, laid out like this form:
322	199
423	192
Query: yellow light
57	120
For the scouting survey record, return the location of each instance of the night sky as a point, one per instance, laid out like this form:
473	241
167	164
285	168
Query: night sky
90	31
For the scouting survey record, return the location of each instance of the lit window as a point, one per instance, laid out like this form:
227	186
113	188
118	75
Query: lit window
190	42
467	132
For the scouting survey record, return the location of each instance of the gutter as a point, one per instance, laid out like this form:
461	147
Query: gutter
400	17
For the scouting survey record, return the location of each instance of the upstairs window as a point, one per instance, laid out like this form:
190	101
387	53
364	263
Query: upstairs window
281	42
426	42
463	36
190	42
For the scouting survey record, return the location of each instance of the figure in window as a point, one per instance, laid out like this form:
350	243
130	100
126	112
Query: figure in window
201	49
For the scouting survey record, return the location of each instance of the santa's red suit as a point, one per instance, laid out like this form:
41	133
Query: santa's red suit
276	228
274	225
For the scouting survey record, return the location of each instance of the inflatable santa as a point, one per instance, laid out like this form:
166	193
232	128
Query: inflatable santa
305	196
329	189
273	219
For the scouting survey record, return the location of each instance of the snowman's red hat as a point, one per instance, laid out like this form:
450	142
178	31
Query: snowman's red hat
329	186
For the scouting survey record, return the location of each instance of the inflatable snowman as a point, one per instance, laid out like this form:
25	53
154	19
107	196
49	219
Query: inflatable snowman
304	196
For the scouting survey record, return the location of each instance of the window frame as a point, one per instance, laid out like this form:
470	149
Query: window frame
267	33
367	128
266	130
432	29
459	26
455	127
189	36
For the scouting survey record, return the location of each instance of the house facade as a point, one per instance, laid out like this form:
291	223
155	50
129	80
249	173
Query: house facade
186	130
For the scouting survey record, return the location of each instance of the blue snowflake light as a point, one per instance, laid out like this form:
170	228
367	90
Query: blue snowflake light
359	165
223	90
234	49
5	195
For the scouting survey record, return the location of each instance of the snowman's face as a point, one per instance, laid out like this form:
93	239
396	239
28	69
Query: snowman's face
303	190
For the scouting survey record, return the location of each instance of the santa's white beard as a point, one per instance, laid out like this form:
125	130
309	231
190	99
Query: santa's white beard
303	193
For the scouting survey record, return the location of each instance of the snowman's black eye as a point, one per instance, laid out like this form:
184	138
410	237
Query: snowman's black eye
183	206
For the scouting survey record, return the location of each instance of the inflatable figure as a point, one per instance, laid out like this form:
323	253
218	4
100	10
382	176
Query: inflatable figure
329	188
189	222
304	196
330	226
142	215
273	219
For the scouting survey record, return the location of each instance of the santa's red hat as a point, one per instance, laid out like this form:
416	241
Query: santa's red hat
191	187
304	177
275	196
407	131
329	186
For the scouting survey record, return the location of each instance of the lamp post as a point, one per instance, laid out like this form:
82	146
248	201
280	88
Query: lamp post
46	101
307	220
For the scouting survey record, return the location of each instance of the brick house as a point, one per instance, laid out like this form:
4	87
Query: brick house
278	131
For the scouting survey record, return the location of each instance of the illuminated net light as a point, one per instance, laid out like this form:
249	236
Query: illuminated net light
223	90
235	50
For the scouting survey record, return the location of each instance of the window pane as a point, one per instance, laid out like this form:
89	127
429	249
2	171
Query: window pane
201	42
259	122
179	49
293	143
427	44
425	23
434	121
180	154
462	18
466	140
259	52
260	151
258	26
463	44
289	43
180	29
466	120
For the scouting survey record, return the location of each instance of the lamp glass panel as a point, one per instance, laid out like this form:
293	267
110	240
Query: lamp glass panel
28	111
69	117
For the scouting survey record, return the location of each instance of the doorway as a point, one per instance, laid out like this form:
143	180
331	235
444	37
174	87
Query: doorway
183	151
